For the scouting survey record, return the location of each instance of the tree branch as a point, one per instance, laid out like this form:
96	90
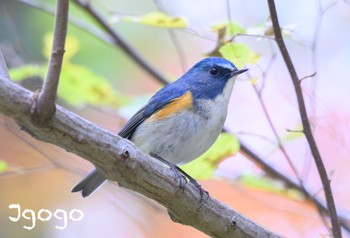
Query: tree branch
275	133
112	37
81	24
119	160
305	122
3	68
44	102
129	51
289	183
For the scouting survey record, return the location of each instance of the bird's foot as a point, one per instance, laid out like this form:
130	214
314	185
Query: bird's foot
182	179
202	192
182	176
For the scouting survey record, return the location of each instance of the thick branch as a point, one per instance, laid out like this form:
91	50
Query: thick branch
245	149
44	105
119	160
305	121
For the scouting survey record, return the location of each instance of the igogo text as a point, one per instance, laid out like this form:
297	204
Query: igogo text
46	215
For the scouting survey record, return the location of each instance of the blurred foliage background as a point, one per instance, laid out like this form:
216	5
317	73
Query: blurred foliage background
101	83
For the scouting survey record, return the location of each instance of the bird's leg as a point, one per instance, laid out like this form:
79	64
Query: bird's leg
175	170
182	175
202	192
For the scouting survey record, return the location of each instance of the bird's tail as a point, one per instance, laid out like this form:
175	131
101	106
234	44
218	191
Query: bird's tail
90	183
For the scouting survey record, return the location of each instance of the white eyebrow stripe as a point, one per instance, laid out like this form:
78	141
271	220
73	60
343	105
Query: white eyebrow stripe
227	66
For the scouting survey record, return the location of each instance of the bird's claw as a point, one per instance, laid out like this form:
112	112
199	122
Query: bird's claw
182	176
202	192
182	179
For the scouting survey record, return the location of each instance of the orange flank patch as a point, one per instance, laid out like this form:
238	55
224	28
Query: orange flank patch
178	104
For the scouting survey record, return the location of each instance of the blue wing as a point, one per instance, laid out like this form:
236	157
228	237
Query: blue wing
157	102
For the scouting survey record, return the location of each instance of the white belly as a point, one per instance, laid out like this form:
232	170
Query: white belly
181	138
178	140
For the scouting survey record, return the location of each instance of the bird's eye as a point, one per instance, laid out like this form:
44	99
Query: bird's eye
214	71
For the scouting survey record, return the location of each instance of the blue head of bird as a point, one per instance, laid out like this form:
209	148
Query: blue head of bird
211	77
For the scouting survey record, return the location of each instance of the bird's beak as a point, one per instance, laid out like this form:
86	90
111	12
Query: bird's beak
237	72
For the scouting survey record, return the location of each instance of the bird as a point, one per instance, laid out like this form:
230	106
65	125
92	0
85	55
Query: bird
181	121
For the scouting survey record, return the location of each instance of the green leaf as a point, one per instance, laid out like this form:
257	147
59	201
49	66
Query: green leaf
260	182
204	166
239	54
223	30
3	166
27	71
293	134
79	85
219	42
232	28
254	80
158	19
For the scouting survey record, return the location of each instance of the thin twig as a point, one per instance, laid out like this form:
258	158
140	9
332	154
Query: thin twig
254	35
305	122
3	68
256	135
268	67
120	41
271	171
44	105
81	24
14	171
266	113
275	133
54	162
308	76
314	57
179	49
